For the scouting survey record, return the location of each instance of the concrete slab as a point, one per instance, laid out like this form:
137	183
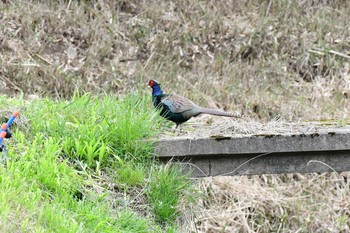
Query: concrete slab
272	153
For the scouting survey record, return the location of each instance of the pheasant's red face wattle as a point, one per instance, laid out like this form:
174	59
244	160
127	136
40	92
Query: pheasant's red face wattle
151	83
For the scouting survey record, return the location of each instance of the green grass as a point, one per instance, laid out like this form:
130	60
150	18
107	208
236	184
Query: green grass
65	154
130	174
165	190
94	129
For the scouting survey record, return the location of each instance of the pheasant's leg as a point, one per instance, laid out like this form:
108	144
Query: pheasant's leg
178	129
175	128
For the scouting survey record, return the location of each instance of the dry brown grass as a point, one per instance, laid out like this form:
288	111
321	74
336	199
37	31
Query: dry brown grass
270	203
265	59
206	126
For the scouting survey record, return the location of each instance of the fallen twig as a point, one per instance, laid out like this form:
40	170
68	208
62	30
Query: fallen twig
323	52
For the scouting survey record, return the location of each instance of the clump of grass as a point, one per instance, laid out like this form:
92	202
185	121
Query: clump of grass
130	174
95	130
40	159
128	222
166	187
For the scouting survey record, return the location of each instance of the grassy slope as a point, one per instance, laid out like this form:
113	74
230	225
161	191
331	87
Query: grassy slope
85	165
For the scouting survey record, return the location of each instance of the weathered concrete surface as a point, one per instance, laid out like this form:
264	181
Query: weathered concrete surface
276	153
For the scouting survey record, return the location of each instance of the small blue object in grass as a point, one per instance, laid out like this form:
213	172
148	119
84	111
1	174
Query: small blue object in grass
5	132
12	118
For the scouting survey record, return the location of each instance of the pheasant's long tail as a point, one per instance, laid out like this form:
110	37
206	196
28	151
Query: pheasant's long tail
218	112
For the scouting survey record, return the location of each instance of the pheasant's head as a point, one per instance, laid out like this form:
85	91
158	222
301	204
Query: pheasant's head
153	83
156	90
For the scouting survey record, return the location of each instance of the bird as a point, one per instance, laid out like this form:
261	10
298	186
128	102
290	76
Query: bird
179	109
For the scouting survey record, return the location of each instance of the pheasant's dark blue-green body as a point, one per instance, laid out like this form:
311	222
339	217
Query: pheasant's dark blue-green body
177	108
165	111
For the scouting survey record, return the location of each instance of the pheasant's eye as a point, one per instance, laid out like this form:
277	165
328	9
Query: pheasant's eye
151	83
